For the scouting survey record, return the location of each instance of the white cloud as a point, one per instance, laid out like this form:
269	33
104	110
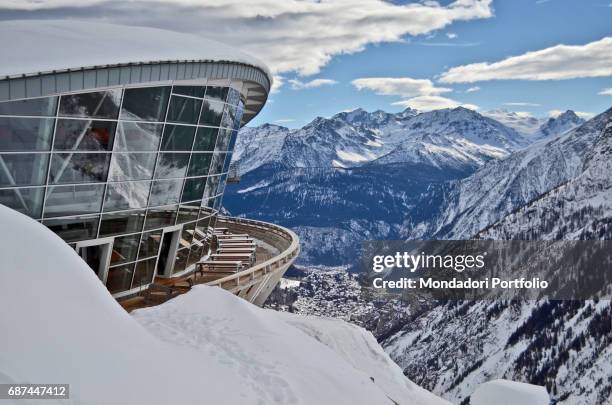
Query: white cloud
473	89
284	120
451	35
399	86
522	104
555	63
299	85
277	83
428	103
289	35
606	92
458	44
581	114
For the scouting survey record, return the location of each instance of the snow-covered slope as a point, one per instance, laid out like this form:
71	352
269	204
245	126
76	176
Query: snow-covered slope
59	324
502	186
536	128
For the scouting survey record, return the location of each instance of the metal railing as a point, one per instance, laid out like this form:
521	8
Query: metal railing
254	275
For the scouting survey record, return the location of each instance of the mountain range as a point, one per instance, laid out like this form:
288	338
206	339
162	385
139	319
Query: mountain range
450	174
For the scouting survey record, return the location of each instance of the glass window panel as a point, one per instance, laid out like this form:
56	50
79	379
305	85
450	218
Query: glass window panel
195	254
187	233
226	164
192	91
99	104
238	118
216	166
181	260
121	223
178	137
206	139
228	118
199	164
202	226
194	189
223	139
165	192
28	201
232	142
79	167
73	200
144	273
149	244
25	134
233	96
145	103
137	137
188	212
125	249
120	278
124	196
212	112
38	107
23	169
131	166
183	110
216	93
206	210
84	135
160	217
74	229
171	165
211	187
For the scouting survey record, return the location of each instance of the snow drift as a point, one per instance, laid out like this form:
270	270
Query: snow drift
60	325
504	392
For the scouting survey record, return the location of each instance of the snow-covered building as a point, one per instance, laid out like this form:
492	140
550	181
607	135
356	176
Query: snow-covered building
119	140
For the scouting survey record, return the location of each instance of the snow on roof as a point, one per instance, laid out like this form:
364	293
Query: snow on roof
505	392
32	46
60	324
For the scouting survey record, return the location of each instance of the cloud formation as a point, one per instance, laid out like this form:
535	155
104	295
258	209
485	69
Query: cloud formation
286	34
559	62
428	103
473	89
522	104
300	85
606	92
399	86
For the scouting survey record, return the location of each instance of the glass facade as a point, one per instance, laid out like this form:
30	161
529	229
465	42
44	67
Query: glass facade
123	164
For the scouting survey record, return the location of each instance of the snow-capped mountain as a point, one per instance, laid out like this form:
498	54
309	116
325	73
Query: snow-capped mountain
559	125
456	138
536	128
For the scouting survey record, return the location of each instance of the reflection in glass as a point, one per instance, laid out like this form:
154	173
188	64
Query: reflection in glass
73	200
199	164
37	107
196	253
131	166
165	192
99	104
125	249
78	167
217	163
23	169
228	118
28	201
183	110
226	164
181	260
120	278
144	273
137	137
187	234
124	196
84	135
188	212
192	91
171	165
74	229
211	187
160	217
233	96
25	134
145	104
149	244
223	139
178	137
121	223
205	139
194	188
212	112
238	118
232	142
216	93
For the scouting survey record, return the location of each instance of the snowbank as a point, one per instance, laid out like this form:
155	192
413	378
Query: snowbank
46	45
504	392
59	325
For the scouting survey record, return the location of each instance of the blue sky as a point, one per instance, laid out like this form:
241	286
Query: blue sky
519	26
529	56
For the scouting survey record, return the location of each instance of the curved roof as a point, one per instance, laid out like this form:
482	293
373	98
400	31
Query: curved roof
33	46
